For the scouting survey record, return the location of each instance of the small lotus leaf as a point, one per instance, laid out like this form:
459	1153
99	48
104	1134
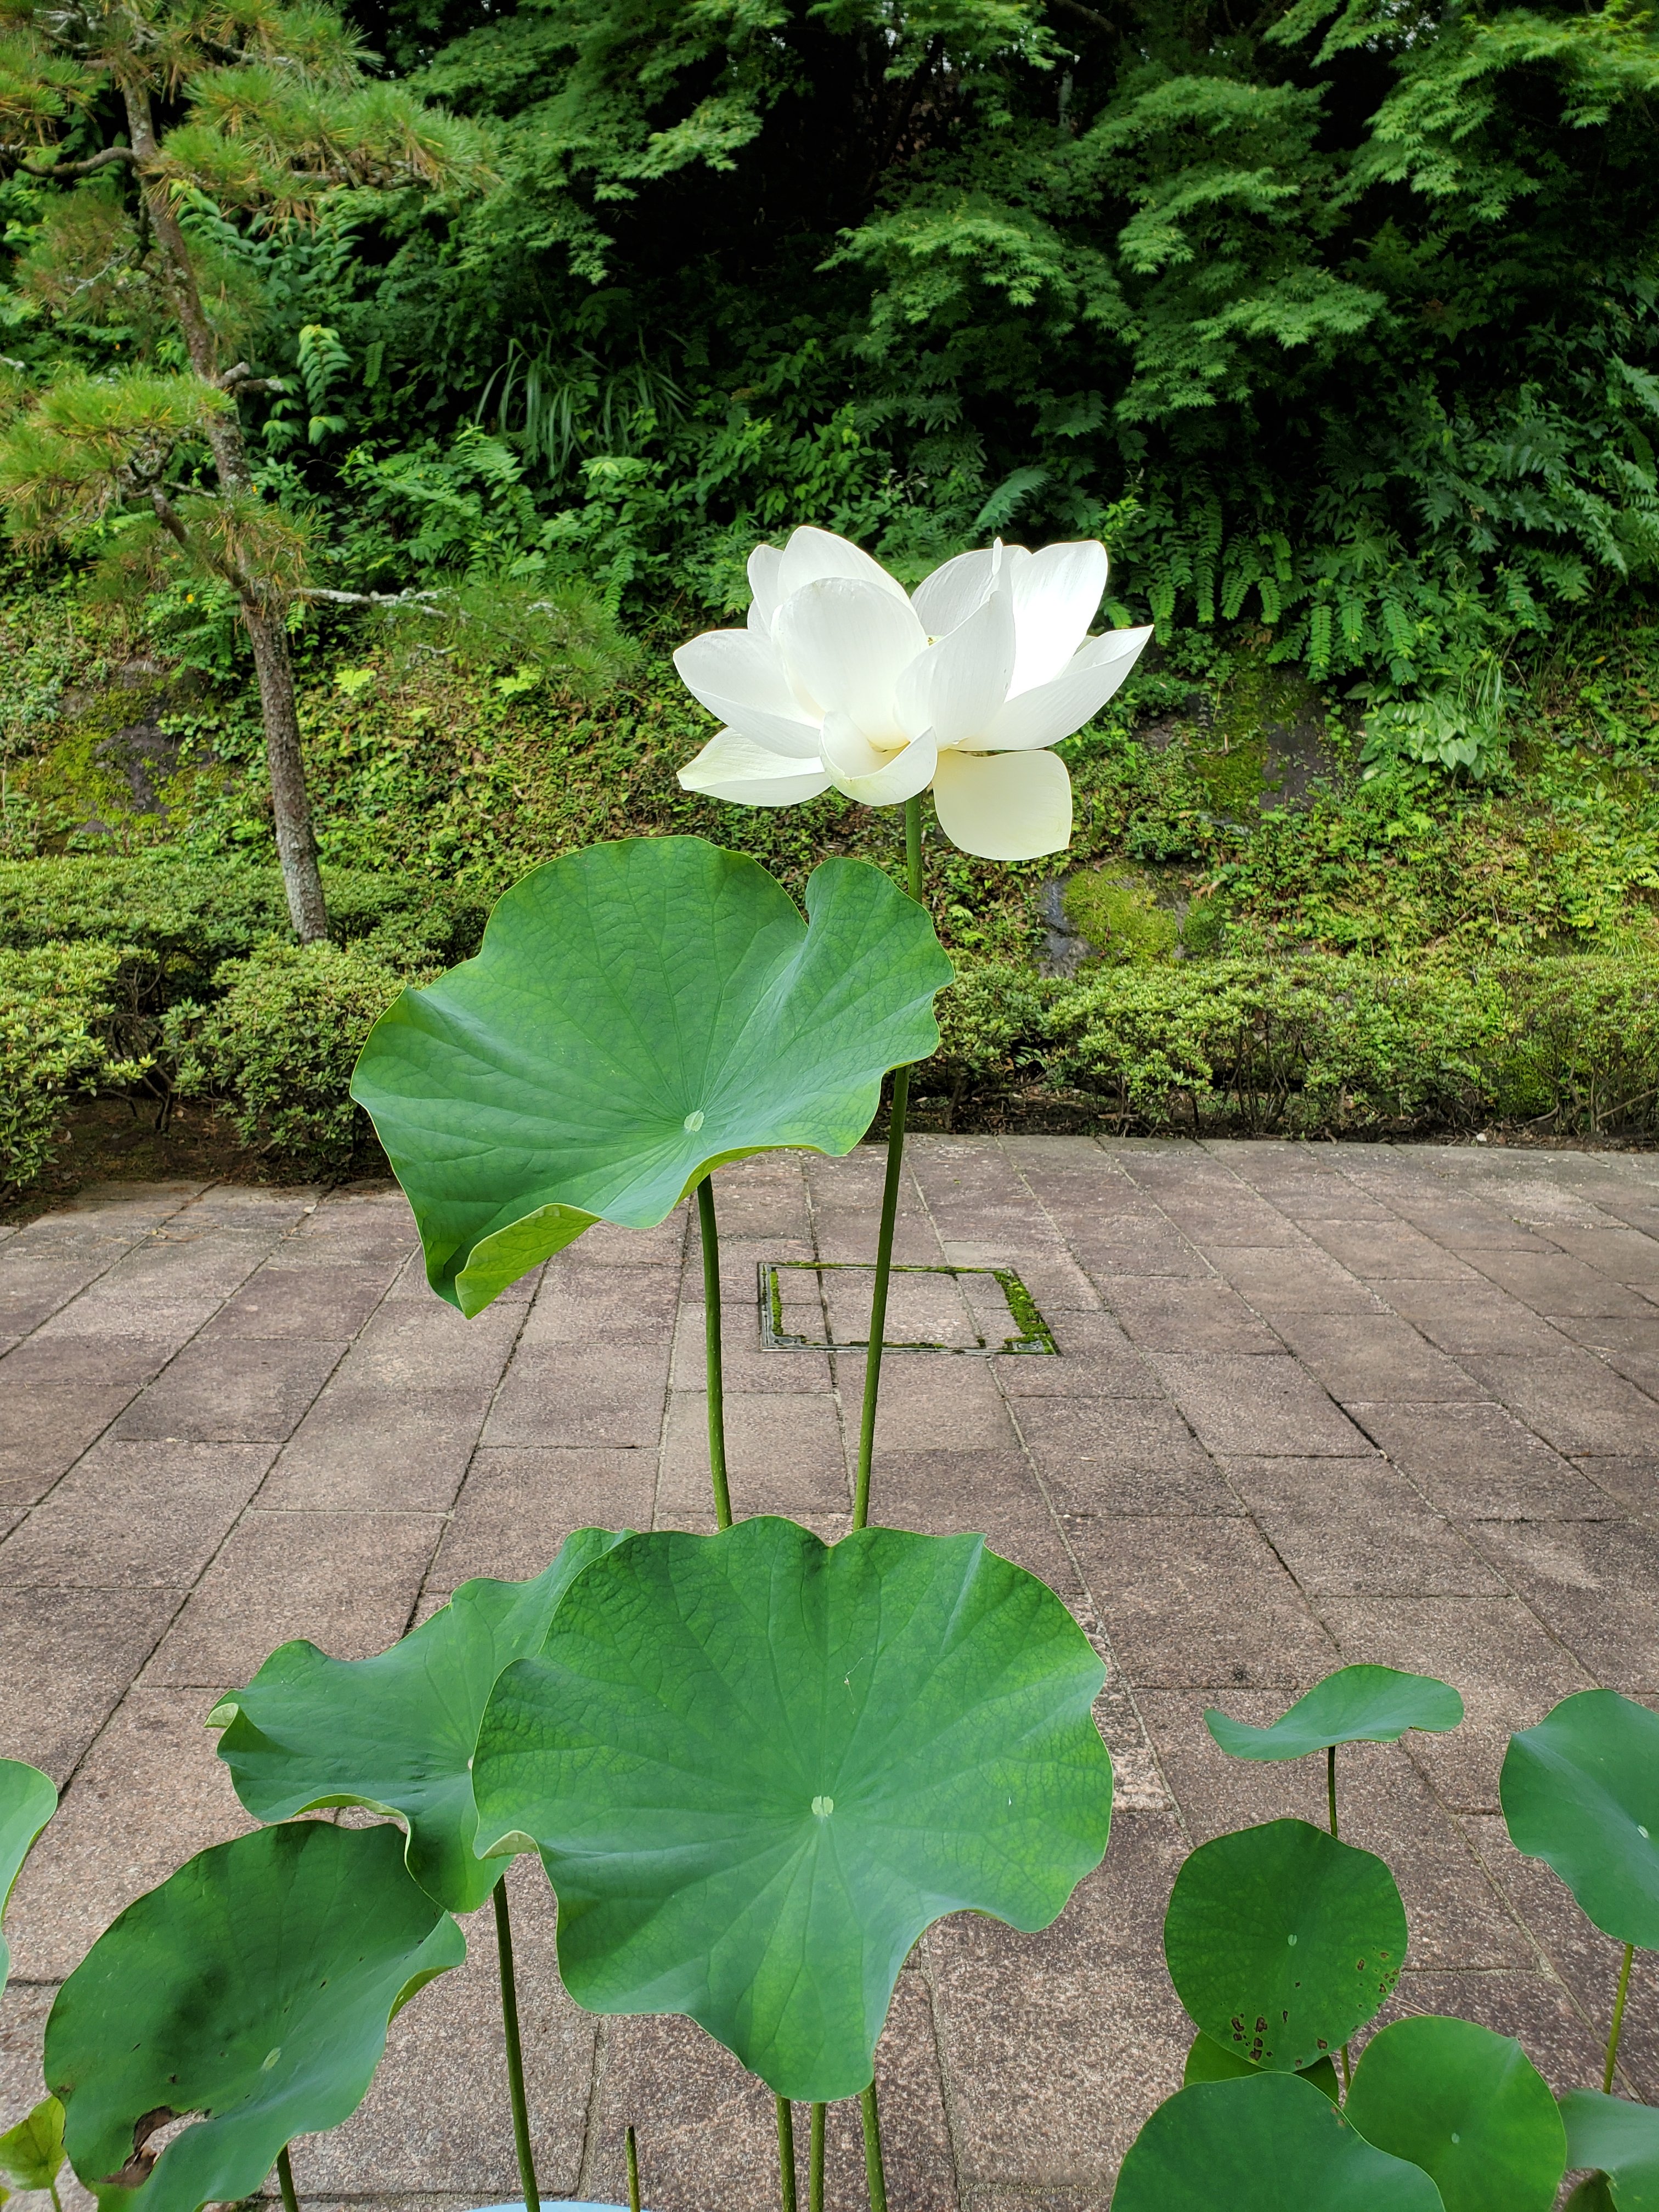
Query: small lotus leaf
1210	2061
1281	1941
28	1801
1262	2145
758	1765
1357	1705
255	1987
31	2151
639	1013
1581	1790
397	1733
1621	2140
1468	2107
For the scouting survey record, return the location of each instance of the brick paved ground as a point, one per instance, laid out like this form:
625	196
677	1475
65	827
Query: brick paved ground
1313	1405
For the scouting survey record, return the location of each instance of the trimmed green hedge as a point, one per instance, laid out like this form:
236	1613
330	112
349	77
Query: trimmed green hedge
60	1034
182	974
1316	1046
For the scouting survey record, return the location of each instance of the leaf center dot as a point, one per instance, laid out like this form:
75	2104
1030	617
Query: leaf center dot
823	1807
694	1121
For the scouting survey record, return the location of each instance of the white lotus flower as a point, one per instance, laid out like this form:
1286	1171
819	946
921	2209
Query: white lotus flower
840	677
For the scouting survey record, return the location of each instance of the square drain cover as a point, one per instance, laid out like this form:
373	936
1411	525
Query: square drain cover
823	1305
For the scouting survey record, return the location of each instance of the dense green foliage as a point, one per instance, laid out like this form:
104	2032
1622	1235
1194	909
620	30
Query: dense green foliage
923	270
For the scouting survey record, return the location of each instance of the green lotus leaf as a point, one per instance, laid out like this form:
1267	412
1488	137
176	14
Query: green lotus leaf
1357	1705
1281	1941
254	1987
1467	2105
1581	1790
639	1013
1619	2138
1210	2061
31	2151
28	1801
397	1733
1262	2145
758	1765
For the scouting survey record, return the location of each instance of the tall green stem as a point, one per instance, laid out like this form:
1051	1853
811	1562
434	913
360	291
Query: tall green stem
815	2162
888	1212
514	2051
711	1308
1618	2020
1330	1782
633	2174
285	2182
873	2170
787	2154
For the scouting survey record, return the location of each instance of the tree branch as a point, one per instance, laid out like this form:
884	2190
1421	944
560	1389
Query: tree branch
241	378
75	169
417	599
1090	16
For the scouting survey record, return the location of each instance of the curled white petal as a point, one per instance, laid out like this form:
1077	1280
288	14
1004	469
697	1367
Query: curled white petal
967	674
731	767
739	677
764	564
873	776
1056	594
812	555
1004	806
845	644
1055	710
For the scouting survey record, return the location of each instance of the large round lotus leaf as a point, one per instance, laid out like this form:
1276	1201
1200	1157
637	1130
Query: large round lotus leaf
1619	2139
1268	2144
758	1766
397	1733
1468	2107
253	1987
1210	2061
639	1013
28	1801
1581	1791
1357	1705
1281	1941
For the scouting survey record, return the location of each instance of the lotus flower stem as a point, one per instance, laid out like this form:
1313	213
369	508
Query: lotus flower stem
284	2178
787	2153
633	2174
815	2162
1618	2020
514	2050
873	2165
888	1212
711	1303
1330	1782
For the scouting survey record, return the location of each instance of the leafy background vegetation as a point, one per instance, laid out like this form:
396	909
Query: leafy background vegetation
1339	324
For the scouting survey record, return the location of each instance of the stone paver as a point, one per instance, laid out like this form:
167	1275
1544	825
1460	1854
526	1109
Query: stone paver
1312	1405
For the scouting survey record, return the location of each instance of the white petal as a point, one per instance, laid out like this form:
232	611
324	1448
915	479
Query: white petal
1054	711
846	645
1004	806
764	563
1056	593
740	677
949	595
967	672
729	766
812	553
872	776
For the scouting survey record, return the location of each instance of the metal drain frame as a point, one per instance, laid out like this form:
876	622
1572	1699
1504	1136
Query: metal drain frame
1035	1338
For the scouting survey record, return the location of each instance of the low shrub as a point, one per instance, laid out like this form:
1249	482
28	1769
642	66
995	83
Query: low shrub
60	1033
278	1043
1314	1046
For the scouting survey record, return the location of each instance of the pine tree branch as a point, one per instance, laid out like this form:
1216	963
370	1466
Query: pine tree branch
419	600
71	169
